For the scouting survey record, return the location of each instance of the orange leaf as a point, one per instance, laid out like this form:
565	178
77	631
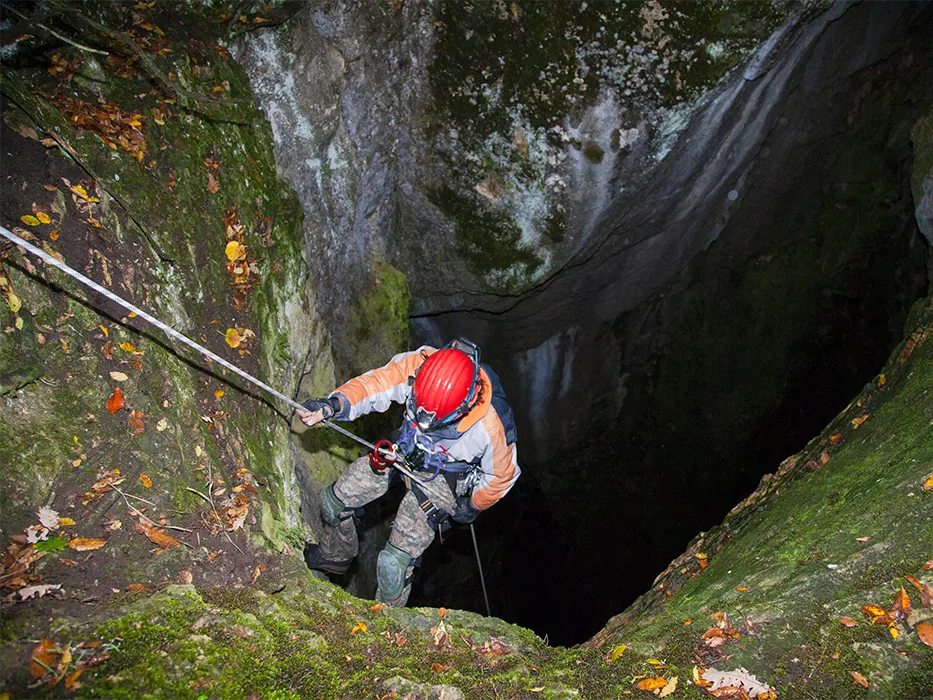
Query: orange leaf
835	438
157	536
218	394
824	458
146	481
859	679
359	627
43	653
136	422
652	683
82	544
925	632
848	622
115	402
441	612
136	587
377	607
71	682
902	601
856	422
928	484
437	668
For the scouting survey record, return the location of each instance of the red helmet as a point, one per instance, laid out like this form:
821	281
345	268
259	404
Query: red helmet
445	386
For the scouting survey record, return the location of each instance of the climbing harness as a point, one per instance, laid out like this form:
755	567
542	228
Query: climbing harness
171	332
389	456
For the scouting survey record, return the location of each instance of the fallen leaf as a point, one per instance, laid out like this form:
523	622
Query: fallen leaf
259	569
928	484
824	458
233	338
116	401
162	425
835	438
902	601
652	683
184	576
926	591
669	688
146	481
136	422
654	662
359	627
893	630
48	517
63	522
377	607
879	616
156	535
43	658
71	682
30	220
83	544
861	539
105	331
127	347
617	652
441	612
218	394
136	587
37	591
118	376
925	632
882	380
856	422
859	679
437	668
847	621
235	250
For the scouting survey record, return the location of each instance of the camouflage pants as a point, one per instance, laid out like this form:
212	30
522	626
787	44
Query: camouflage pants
359	485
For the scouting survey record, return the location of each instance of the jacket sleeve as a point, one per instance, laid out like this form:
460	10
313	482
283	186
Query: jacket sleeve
498	465
378	388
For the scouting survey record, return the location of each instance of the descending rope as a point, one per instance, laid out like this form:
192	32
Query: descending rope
171	332
482	579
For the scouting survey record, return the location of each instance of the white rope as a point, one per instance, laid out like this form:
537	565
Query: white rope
171	332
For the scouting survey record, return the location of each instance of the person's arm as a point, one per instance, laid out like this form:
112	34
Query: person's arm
378	388
498	465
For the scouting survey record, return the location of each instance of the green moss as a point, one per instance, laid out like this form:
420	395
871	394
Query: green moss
489	241
549	61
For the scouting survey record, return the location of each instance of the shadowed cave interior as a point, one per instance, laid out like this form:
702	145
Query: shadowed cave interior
753	346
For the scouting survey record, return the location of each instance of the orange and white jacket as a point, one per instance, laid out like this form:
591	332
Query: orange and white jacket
480	437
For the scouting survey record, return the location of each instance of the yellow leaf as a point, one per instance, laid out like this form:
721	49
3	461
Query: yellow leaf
146	481
233	338
82	544
669	688
654	662
18	323
103	329
14	302
43	217
893	630
359	627
928	484
30	220
218	393
65	521
882	380
127	347
617	652
82	193
234	250
856	422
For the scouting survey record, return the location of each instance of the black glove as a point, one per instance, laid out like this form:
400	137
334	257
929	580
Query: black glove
465	513
330	406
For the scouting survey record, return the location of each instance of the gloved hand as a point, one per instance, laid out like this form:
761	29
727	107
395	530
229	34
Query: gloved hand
465	513
317	410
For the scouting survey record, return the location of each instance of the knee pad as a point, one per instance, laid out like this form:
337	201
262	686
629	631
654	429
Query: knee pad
391	566
332	508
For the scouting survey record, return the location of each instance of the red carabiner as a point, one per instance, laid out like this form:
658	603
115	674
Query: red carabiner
382	456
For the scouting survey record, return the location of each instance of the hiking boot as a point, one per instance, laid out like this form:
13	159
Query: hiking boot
316	561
